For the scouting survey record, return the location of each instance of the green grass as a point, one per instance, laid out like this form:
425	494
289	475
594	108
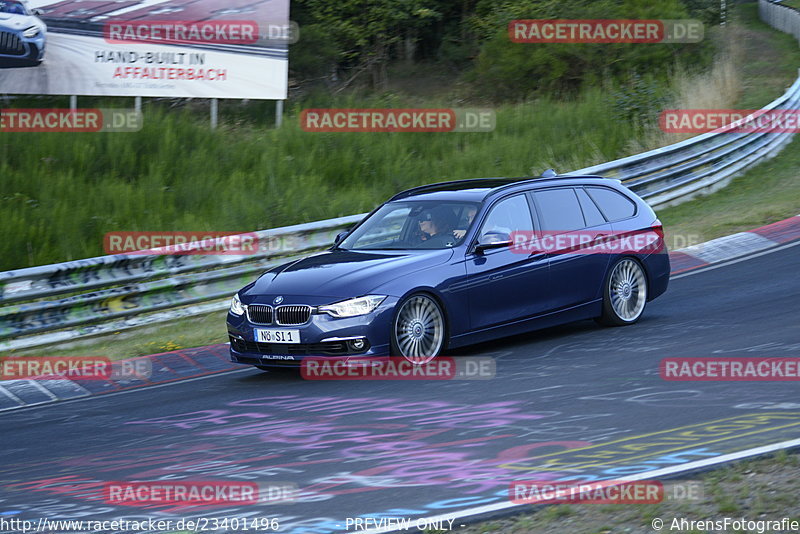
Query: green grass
198	331
60	193
792	3
767	491
771	59
770	191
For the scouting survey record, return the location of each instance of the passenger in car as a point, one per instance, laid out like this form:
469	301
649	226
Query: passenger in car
465	222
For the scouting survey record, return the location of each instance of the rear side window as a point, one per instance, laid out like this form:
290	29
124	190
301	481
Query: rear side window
615	206
560	210
590	212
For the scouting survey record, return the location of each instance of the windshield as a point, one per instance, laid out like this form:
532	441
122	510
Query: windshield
413	225
12	7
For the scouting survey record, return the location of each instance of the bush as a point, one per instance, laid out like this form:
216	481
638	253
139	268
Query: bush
514	70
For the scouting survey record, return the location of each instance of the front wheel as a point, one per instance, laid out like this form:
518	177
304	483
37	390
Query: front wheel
624	293
418	332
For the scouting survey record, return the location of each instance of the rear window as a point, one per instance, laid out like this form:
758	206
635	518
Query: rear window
560	210
615	206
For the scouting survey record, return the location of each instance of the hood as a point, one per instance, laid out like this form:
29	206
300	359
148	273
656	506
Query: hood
19	22
339	274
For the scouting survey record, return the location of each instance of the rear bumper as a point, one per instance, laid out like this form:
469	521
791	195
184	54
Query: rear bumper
658	271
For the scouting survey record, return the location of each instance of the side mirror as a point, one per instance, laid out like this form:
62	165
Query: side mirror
340	236
480	248
37	12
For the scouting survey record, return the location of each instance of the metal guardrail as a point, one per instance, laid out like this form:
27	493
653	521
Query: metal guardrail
61	302
780	17
107	293
678	172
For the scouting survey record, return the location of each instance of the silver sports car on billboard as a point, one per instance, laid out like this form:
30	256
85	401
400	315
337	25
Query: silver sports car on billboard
22	33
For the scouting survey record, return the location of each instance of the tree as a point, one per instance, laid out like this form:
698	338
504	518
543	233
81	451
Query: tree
368	30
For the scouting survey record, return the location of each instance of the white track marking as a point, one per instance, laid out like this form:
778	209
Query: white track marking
648	475
736	260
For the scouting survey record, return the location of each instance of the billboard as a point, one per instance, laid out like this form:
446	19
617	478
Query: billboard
155	48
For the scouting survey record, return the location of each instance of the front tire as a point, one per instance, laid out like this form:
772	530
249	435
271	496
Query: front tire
33	56
418	330
624	293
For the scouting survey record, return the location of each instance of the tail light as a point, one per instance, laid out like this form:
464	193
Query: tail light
658	228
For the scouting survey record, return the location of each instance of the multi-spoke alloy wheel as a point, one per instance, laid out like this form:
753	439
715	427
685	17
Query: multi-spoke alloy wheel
418	332
625	293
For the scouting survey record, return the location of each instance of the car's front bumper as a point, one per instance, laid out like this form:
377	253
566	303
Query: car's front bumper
322	336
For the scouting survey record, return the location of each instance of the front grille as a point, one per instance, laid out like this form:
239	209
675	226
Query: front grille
301	349
289	315
10	44
259	314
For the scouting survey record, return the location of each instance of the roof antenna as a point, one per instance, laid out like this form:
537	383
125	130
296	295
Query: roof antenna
549	173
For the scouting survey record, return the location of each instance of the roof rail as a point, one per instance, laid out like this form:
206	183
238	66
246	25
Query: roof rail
440	185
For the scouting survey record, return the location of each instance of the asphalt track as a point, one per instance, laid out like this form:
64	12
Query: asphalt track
422	448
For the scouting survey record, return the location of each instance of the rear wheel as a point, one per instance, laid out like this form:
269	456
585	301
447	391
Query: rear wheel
418	332
624	293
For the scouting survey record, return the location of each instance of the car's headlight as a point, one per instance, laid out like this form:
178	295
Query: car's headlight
353	307
31	32
237	308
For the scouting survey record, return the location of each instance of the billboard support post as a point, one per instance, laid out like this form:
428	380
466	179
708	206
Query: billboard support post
278	113
73	102
137	104
214	115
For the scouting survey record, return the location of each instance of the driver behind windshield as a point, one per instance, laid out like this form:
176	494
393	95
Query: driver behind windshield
13	8
436	227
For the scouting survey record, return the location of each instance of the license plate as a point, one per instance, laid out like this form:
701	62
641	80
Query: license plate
277	336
